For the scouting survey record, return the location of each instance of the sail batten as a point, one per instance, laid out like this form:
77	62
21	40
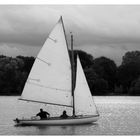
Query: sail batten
52	69
43	61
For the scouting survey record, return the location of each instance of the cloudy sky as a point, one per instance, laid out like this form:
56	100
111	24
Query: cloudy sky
99	30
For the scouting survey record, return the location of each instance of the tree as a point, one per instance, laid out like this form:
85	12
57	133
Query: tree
91	77
28	62
130	57
129	71
100	87
12	75
85	58
106	69
135	87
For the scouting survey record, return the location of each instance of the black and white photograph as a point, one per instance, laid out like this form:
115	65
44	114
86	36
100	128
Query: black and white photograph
69	69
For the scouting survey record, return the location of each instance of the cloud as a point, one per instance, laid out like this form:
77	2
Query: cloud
101	30
18	49
8	50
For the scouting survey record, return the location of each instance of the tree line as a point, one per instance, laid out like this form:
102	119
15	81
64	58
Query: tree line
104	77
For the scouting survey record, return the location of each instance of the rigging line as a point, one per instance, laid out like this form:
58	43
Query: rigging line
48	87
53	39
64	33
43	61
43	102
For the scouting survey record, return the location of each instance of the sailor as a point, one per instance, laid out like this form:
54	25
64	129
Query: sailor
43	114
64	115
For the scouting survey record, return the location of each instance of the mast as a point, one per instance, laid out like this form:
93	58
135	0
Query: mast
72	70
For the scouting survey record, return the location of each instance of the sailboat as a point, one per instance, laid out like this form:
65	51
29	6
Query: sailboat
51	81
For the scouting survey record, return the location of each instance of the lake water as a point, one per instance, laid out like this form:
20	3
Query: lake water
118	116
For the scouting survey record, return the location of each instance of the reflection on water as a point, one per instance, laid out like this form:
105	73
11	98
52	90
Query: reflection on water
118	116
58	130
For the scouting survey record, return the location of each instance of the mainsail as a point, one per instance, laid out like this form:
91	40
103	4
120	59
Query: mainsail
50	78
84	104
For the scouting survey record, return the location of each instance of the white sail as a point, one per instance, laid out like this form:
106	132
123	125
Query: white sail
83	100
50	78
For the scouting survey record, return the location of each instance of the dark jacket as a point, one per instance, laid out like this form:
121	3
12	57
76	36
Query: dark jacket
43	114
64	116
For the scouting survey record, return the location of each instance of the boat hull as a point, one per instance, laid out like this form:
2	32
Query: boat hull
58	121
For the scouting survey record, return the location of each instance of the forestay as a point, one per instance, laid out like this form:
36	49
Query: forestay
50	78
84	104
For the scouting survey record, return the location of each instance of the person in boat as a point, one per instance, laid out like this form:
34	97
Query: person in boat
43	114
64	115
